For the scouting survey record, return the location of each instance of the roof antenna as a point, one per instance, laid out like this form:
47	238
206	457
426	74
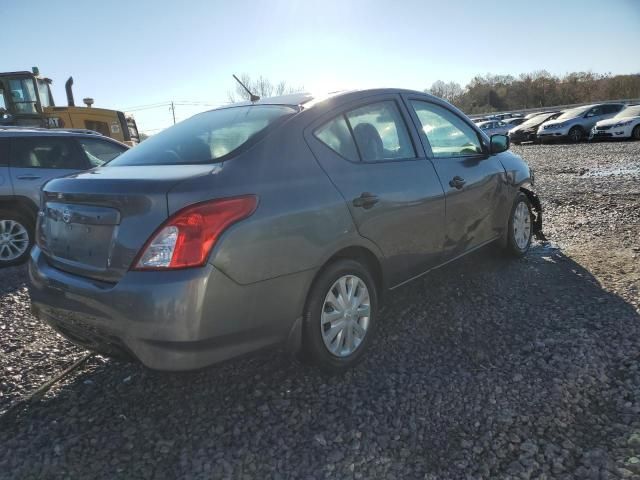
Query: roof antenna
252	97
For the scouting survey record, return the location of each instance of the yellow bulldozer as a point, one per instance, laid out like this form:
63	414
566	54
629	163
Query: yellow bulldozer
26	100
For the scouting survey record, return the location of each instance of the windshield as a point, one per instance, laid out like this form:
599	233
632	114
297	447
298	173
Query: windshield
43	91
573	113
633	111
23	95
205	137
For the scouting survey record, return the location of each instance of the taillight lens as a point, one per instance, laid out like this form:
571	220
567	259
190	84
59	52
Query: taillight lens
188	236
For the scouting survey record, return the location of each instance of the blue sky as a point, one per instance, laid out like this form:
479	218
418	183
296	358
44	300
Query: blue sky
126	53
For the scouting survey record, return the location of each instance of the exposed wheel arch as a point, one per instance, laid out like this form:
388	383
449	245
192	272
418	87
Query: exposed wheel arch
534	200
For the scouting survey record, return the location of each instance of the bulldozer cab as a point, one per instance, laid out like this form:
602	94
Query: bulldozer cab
22	98
26	100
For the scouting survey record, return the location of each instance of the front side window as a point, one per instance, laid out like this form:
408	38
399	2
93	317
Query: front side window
45	96
206	137
23	95
46	152
448	134
380	132
335	134
100	152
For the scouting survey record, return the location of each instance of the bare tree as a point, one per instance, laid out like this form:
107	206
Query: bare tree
261	86
450	92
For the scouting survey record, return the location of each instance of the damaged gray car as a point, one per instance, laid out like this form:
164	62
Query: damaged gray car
278	222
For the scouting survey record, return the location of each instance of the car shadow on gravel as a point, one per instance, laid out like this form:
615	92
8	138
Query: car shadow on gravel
489	367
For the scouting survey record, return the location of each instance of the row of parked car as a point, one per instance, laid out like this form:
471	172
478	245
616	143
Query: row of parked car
593	122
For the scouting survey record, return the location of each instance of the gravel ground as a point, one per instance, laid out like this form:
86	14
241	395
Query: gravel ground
488	368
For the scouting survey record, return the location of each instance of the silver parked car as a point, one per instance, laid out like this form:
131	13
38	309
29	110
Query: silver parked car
576	123
283	221
29	157
492	127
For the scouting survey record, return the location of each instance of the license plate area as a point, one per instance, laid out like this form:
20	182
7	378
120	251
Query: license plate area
78	234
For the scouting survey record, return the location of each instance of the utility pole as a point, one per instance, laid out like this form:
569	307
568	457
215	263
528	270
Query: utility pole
173	112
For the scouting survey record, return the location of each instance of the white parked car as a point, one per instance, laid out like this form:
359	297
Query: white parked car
625	124
576	123
491	127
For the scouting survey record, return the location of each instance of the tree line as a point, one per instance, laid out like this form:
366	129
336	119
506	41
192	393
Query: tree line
494	93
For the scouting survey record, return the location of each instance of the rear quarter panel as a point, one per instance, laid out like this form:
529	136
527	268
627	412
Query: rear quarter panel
300	217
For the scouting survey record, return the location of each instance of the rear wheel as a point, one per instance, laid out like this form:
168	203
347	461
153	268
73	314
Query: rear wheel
340	316
16	238
636	133
519	232
576	134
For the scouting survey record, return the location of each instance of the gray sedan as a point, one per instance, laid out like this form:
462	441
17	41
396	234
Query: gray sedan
283	221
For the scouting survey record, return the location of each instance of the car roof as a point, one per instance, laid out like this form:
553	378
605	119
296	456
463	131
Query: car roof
18	131
308	99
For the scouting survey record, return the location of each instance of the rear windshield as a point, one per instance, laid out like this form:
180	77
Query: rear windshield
206	137
537	119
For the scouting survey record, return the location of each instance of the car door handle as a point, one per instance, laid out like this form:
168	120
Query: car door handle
28	177
457	182
366	200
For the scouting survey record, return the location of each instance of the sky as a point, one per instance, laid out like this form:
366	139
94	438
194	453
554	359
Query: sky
127	54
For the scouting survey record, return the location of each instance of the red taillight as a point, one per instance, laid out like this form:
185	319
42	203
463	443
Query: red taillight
188	236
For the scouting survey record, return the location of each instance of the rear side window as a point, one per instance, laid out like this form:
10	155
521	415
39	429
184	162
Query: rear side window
612	108
380	132
99	152
4	152
46	152
206	137
336	135
448	134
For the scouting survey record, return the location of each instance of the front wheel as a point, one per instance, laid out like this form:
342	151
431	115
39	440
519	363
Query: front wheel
16	238
635	134
519	231
340	316
576	134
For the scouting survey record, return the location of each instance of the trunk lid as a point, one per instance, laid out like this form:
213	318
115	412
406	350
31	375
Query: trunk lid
94	223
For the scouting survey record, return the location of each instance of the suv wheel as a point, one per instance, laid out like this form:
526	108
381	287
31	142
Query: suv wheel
16	238
575	134
340	316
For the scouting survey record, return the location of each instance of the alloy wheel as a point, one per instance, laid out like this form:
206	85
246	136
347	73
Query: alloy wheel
345	315
14	240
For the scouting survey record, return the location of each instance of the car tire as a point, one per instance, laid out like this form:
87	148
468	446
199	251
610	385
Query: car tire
517	143
336	333
576	134
16	237
520	227
635	134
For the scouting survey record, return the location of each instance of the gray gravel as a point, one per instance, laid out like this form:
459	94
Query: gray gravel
488	368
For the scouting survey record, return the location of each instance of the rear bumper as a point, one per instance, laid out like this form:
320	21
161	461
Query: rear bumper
178	320
551	135
522	137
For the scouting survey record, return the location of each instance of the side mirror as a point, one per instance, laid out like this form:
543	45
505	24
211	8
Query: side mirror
5	117
499	143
